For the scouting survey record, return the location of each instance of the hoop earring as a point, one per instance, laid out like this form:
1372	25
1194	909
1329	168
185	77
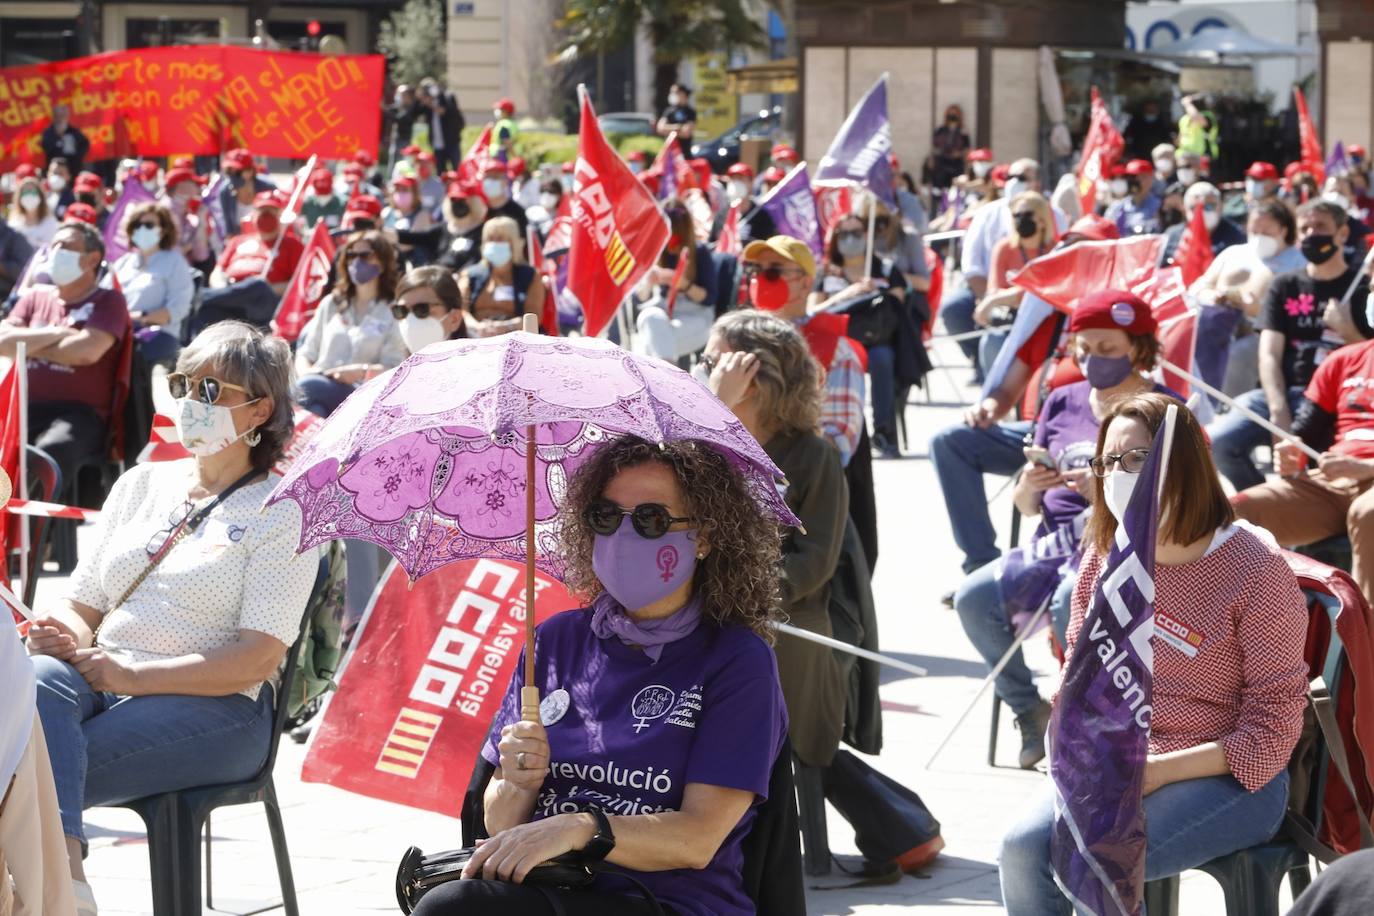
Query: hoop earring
253	438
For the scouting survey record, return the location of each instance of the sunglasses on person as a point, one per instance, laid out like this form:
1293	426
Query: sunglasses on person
770	272
650	520
418	309
207	389
849	234
368	255
145	224
1132	461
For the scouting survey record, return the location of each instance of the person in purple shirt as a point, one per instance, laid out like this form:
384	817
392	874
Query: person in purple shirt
1114	344
662	713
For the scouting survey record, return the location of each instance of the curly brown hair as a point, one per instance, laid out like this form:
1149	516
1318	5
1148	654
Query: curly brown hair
789	379
737	579
345	289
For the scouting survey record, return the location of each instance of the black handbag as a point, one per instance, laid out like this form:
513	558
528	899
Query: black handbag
419	873
873	318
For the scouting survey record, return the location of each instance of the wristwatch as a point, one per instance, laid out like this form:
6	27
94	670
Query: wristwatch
603	841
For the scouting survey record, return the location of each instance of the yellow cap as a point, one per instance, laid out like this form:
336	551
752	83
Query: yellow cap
794	250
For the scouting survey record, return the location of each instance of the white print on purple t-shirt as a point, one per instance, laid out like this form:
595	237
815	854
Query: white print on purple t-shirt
646	780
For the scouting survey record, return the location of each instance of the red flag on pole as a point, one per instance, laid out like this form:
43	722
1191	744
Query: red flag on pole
11	450
618	231
470	169
728	241
1102	148
1194	252
1308	141
1062	277
307	286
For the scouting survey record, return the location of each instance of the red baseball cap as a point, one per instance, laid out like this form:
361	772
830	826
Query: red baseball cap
79	213
1117	171
177	176
25	170
773	174
322	180
184	162
239	159
1094	228
516	167
981	154
999	173
505	105
569	166
461	190
364	158
1138	167
411	150
1113	310
405	181
364	205
1292	169
1263	171
1359	152
494	167
637	155
273	199
740	168
147	170
781	152
87	181
424	155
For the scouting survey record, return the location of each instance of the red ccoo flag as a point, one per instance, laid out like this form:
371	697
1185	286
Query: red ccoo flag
728	242
11	453
1062	277
618	231
1101	149
1308	141
1194	252
479	154
307	285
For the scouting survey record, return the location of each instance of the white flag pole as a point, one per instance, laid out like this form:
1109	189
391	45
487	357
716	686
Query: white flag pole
842	646
1262	421
872	221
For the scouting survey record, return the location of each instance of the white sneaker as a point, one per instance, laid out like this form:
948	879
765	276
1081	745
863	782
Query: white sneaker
85	898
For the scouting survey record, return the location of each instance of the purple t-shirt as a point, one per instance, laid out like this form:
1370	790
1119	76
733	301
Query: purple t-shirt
634	733
1067	428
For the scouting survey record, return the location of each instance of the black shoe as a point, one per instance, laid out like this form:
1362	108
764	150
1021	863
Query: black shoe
883	447
1032	725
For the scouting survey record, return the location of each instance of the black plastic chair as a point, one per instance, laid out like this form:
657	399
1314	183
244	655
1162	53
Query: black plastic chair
772	853
176	820
45	482
996	700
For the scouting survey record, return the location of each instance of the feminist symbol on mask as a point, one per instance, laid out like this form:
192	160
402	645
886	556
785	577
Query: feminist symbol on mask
667	562
650	703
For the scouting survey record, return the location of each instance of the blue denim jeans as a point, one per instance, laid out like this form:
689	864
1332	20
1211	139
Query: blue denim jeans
1235	437
956	314
1186	824
882	387
962	455
321	395
979	603
108	749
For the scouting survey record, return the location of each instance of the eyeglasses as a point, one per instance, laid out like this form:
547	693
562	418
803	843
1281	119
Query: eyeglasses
145	224
418	309
1132	461
174	521
355	255
208	389
770	272
650	520
850	234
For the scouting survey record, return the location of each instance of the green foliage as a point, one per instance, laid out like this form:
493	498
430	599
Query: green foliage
539	147
677	28
628	144
413	40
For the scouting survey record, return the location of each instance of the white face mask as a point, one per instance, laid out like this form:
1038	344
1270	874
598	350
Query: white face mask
207	429
1266	246
1165	167
146	238
1210	219
65	266
494	188
1187	176
737	191
1014	187
56	183
549	202
1117	488
30	200
419	333
675	99
1119	187
981	169
1254	188
497	254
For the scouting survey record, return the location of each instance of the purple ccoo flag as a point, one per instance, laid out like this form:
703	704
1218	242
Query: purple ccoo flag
1338	163
116	241
792	205
1100	728
859	153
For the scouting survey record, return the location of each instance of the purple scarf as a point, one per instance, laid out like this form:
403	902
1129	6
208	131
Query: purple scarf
609	619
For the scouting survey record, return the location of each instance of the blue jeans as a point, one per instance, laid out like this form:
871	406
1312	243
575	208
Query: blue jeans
159	347
1235	436
882	385
321	395
1186	823
961	455
984	617
109	749
956	314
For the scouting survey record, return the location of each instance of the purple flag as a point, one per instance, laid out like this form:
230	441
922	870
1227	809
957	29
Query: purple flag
859	153
213	205
792	205
1028	576
116	241
1100	728
667	180
1338	163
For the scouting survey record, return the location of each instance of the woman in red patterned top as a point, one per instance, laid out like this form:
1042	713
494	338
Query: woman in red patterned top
1229	690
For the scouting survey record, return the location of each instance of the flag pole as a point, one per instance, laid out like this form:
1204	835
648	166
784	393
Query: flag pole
289	214
841	646
529	694
1285	436
21	366
1355	281
872	222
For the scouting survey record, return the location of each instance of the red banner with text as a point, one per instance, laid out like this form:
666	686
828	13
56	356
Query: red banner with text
428	670
194	100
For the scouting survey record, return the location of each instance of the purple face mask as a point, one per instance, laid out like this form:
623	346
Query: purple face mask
637	571
1105	371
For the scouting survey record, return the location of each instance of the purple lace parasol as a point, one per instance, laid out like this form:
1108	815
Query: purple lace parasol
428	461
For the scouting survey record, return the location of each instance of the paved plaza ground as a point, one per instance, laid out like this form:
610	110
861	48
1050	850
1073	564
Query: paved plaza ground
344	847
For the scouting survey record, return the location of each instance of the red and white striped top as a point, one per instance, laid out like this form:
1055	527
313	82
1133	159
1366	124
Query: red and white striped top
1246	685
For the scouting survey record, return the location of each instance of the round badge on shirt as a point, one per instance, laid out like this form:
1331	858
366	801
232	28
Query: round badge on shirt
554	706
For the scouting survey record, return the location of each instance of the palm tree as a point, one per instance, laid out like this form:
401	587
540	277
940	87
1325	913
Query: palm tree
677	29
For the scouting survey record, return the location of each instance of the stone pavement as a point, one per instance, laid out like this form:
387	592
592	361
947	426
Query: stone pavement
344	847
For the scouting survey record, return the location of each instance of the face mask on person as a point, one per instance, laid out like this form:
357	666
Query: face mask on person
1015	187
549	202
56	183
1170	216
981	169
850	246
1187	176
1119	187
1254	188
419	333
497	254
1117	488
497	114
737	191
1105	371
363	271
1164	167
1211	218
567	180
65	266
146	238
30	200
675	98
1026	225
267	223
494	188
207	429
635	169
150	186
404	200
768	295
1318	249
1266	246
638	571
